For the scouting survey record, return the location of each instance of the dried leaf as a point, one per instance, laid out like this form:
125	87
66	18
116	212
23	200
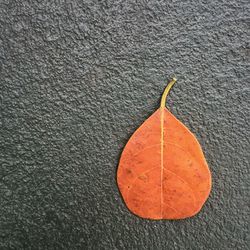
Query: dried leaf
162	172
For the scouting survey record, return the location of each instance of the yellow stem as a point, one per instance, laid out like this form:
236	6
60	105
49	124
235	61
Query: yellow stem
163	103
166	91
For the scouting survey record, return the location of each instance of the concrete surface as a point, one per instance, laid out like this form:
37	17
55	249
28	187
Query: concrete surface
78	77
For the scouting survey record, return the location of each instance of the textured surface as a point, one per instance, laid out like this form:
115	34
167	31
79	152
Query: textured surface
77	79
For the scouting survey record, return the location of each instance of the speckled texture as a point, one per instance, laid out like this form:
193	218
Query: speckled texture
78	77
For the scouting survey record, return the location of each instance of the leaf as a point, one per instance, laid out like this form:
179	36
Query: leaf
162	172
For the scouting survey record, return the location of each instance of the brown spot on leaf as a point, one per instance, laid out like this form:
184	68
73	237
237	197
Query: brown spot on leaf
128	171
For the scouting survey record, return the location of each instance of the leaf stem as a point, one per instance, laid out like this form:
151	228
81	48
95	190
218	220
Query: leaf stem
166	91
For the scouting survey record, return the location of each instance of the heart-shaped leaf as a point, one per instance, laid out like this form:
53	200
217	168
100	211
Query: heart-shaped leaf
162	172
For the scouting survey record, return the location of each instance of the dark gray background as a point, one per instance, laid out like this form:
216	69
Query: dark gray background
78	77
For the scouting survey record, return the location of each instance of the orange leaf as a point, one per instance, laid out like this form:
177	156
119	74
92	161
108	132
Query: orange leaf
162	172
